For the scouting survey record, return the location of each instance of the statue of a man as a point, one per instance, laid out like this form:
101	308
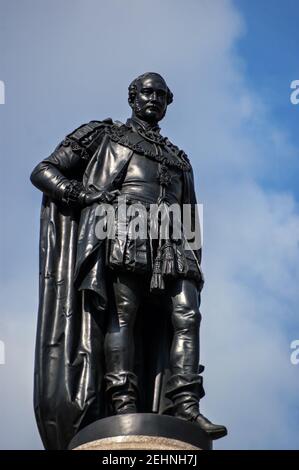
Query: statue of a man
119	318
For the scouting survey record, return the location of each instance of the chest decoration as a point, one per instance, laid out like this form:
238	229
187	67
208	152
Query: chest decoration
163	175
150	144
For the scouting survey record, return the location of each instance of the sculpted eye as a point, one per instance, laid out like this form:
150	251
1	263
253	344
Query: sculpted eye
146	91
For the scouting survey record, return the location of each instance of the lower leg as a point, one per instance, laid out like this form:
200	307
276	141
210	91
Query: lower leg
121	382
185	387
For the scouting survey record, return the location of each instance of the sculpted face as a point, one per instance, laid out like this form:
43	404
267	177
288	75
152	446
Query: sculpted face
151	99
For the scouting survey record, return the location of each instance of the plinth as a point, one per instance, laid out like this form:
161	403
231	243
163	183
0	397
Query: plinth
141	431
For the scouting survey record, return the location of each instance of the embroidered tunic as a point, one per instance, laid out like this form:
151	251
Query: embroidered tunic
151	178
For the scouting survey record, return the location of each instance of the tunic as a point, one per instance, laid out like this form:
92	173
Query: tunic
126	251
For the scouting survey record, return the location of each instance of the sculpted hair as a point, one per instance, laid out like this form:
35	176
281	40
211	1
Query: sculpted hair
133	87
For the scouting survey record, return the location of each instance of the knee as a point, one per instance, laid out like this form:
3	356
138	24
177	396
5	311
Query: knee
186	317
126	314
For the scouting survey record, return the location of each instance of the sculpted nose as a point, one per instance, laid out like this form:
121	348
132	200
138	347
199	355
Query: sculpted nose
154	96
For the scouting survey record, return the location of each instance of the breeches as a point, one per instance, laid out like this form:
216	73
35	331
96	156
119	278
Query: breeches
180	300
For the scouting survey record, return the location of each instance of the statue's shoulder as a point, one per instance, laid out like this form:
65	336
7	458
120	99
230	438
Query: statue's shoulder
87	131
85	139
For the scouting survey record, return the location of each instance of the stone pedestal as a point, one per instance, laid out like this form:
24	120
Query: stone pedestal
141	431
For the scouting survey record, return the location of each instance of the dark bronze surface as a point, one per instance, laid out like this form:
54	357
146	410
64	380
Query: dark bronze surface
115	334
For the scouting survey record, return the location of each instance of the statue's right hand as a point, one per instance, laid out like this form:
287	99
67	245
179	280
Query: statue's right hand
89	198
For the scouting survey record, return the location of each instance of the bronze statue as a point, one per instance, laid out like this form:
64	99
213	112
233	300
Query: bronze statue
118	327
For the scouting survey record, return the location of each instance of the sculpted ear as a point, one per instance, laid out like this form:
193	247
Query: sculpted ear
132	94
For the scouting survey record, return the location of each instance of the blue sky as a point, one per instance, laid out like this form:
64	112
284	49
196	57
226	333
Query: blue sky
229	65
269	50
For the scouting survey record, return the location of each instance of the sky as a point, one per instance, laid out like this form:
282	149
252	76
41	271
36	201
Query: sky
230	65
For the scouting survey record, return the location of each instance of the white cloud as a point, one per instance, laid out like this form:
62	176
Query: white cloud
250	300
17	326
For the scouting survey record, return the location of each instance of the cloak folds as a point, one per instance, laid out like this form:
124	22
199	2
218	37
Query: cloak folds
69	355
68	392
69	360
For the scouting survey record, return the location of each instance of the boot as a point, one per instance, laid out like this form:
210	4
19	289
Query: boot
122	392
185	391
190	412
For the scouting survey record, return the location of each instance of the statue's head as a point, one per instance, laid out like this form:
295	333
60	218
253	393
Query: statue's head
149	97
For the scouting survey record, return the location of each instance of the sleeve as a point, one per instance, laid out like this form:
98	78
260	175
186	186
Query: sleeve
60	175
195	220
195	226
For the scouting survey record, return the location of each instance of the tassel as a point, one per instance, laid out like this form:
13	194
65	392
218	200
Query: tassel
182	263
168	260
157	281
